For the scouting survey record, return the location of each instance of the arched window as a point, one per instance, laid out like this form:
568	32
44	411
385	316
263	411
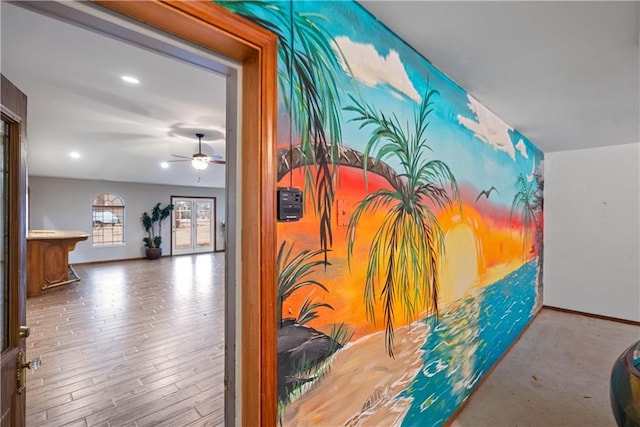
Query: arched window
108	220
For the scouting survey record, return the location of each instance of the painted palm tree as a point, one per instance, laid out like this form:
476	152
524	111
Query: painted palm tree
525	203
404	255
307	79
293	275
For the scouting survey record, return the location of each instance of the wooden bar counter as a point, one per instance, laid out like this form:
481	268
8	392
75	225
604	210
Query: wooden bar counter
48	258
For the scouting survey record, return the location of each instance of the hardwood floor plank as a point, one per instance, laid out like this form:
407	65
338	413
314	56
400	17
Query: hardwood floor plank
115	385
87	404
36	418
64	416
182	419
51	402
126	406
206	379
79	423
136	412
175	407
214	419
135	343
180	413
211	407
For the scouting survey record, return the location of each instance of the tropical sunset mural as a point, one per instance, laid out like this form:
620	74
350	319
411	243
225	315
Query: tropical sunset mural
419	257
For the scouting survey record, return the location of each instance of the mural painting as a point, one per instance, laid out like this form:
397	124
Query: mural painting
419	258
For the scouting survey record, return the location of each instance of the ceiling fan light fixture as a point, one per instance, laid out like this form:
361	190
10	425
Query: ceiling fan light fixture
200	163
199	160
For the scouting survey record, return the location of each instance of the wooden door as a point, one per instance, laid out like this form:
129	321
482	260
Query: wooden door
12	251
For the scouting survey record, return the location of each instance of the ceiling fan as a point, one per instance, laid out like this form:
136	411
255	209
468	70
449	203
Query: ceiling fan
199	160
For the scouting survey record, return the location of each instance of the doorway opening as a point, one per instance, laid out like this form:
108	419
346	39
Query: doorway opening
215	29
70	401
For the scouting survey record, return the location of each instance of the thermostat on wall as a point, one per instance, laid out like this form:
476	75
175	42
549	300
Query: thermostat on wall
289	204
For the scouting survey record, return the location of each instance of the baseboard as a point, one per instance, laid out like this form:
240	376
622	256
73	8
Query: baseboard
595	316
487	374
108	261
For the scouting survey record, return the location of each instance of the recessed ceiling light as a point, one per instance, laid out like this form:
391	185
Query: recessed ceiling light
130	79
74	155
164	165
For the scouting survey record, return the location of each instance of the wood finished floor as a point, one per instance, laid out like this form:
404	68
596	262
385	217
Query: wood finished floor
134	343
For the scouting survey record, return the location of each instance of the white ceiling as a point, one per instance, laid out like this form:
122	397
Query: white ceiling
565	74
77	102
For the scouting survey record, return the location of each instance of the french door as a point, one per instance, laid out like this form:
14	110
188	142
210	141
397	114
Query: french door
193	225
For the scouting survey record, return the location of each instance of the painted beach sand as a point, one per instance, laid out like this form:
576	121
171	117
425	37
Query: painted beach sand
437	365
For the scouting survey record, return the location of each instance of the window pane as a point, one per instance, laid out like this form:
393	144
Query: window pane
4	288
203	229
183	224
108	220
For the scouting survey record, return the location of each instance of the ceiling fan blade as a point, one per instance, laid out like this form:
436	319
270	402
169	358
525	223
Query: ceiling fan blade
200	157
217	160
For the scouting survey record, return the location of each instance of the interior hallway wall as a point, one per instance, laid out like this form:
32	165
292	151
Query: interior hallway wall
66	204
592	231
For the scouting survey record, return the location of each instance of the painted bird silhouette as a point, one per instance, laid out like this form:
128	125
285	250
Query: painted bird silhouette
487	193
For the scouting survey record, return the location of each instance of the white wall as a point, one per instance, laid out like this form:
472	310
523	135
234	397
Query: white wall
66	204
592	231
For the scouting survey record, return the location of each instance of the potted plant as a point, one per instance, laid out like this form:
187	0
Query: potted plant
153	241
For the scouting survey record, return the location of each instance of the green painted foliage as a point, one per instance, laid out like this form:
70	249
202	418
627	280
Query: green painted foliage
523	202
294	273
307	80
402	268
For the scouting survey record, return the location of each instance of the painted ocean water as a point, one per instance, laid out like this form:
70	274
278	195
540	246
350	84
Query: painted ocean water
465	342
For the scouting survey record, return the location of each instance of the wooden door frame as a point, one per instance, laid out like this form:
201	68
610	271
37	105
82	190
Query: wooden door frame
220	31
14	108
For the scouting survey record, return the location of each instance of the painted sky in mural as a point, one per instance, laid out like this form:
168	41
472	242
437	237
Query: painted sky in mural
392	77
